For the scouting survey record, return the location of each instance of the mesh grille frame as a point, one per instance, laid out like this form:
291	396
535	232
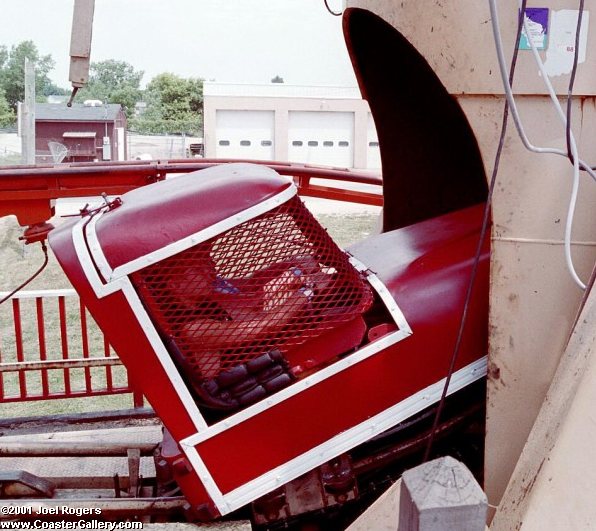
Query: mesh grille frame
270	283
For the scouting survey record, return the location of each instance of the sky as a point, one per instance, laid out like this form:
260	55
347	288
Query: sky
237	41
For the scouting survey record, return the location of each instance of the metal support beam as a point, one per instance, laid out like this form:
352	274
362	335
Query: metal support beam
134	462
80	42
27	116
73	448
16	366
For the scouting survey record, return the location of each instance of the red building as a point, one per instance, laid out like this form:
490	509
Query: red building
81	133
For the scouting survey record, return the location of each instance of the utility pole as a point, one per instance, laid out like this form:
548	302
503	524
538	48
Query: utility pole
28	115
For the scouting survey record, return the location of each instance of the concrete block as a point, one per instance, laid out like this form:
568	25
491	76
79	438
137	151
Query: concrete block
441	495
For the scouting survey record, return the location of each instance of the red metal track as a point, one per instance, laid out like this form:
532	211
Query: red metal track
27	191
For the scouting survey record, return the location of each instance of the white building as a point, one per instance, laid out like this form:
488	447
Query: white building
330	126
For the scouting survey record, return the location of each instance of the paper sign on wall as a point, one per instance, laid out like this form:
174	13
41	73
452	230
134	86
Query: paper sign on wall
561	49
537	23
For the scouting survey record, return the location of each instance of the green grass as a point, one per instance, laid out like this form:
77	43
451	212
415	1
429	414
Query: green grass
19	261
346	229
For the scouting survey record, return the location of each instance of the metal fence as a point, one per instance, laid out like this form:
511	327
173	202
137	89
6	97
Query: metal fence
10	147
51	348
139	147
156	147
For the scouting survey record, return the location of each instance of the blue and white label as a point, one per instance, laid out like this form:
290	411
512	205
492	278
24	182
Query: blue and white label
537	25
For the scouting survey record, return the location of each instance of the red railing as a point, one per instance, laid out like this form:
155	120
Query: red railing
51	348
27	191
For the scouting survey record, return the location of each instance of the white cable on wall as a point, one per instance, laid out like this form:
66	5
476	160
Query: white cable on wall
574	153
510	99
577	163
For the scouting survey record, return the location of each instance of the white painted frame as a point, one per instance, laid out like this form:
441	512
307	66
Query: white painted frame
331	448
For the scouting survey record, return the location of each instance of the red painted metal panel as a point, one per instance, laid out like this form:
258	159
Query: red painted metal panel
18	334
107	354
85	345
1	374
64	342
187	480
42	344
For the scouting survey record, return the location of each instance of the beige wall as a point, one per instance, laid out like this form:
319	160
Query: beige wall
553	484
533	299
281	107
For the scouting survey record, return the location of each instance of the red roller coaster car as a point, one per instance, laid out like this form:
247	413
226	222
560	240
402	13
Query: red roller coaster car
270	354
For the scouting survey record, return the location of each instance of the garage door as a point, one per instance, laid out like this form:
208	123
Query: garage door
325	138
245	134
373	154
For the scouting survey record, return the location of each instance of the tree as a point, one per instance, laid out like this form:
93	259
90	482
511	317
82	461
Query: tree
7	116
3	57
113	81
12	71
127	96
174	105
51	89
115	74
195	89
